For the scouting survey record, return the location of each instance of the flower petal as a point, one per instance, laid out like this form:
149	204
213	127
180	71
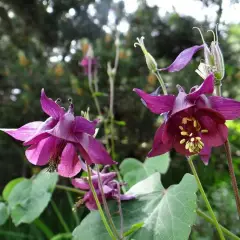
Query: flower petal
157	104
39	154
205	154
207	87
69	165
183	59
24	132
158	146
80	183
229	108
50	107
93	150
83	125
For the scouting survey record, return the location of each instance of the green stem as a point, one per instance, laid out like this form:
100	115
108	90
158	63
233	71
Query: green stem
105	205
59	216
230	162
99	205
210	220
70	189
205	199
62	236
157	74
71	203
44	228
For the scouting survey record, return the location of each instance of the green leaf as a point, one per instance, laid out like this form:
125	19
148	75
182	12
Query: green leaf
30	197
8	188
134	171
99	94
166	213
3	213
120	123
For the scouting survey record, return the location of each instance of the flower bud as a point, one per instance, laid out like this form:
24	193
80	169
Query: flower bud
151	63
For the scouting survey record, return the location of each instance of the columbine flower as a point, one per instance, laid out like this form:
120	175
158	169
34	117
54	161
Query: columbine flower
110	188
193	122
89	62
59	139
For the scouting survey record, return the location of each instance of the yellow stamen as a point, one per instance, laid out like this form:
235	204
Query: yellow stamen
200	142
195	123
185	119
192	139
187	146
198	138
181	128
184	133
190	134
200	146
182	141
204	131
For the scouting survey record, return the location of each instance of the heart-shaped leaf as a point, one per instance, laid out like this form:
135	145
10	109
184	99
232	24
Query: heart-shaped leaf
30	197
134	171
165	213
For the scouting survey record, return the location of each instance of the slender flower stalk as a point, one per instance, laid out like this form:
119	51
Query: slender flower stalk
210	220
205	198
229	159
70	189
105	205
157	74
105	222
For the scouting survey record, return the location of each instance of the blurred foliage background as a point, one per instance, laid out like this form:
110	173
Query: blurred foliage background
42	42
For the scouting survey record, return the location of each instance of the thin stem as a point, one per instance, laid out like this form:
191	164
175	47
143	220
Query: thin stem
205	199
232	175
120	210
60	217
210	220
70	189
71	203
159	77
99	205
230	162
44	228
105	205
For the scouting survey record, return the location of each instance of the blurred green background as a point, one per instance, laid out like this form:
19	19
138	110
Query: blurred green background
42	42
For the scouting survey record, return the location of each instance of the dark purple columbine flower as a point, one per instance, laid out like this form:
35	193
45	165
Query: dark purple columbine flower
194	123
59	139
89	62
110	188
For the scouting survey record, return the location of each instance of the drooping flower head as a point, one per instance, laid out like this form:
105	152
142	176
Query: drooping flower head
60	139
111	188
89	62
194	122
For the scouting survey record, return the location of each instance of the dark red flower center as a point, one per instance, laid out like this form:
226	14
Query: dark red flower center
190	131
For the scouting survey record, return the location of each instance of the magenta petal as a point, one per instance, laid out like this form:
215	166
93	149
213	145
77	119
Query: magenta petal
24	132
183	59
230	109
207	87
158	146
94	150
83	125
80	183
40	154
50	107
157	104
69	165
205	154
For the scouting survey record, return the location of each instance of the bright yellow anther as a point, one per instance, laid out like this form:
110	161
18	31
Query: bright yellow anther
192	139
182	141
204	131
185	120
198	138
187	146
190	134
195	123
184	133
181	128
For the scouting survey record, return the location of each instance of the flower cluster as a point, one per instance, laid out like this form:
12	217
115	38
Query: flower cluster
110	187
60	139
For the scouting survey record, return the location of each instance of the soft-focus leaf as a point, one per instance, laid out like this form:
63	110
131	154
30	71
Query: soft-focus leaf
8	188
30	197
166	213
3	213
134	171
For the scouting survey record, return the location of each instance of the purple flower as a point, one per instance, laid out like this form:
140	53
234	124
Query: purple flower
59	139
194	123
110	188
183	59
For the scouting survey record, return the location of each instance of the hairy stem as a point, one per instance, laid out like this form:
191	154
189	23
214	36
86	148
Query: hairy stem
230	162
215	222
210	220
105	222
105	205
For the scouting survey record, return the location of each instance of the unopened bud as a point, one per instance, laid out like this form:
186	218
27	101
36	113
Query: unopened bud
151	62
90	53
110	71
